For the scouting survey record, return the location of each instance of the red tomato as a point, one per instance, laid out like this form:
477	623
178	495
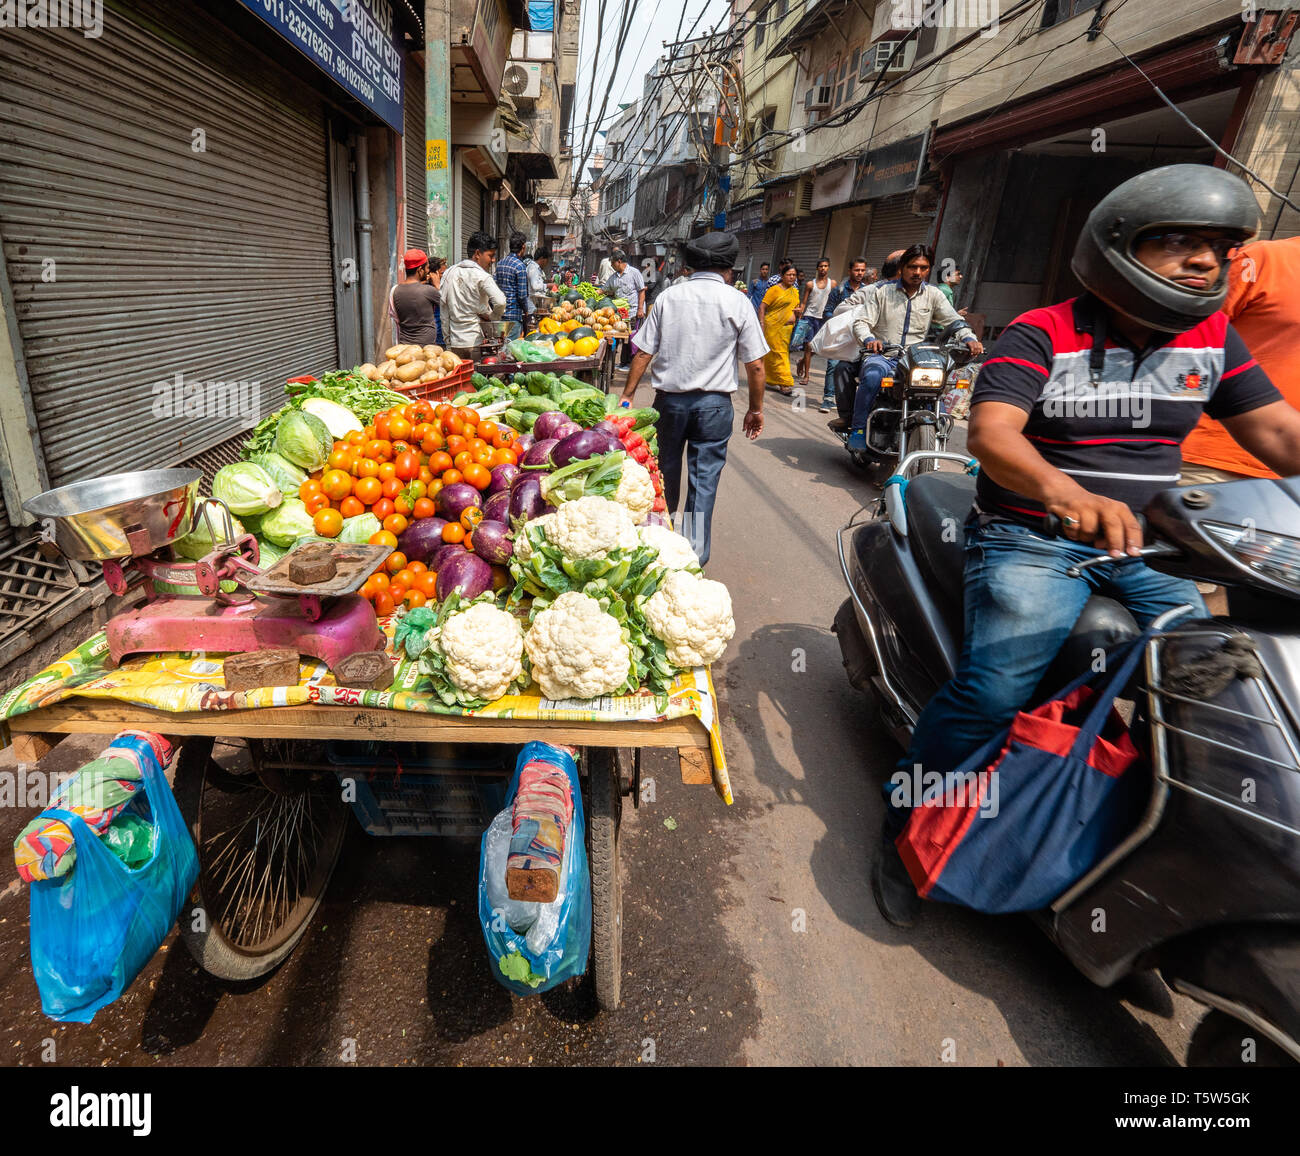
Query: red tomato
396	562
381	425
384	605
351	507
427	583
392	487
382	508
395	523
369	490
408	466
423	508
315	503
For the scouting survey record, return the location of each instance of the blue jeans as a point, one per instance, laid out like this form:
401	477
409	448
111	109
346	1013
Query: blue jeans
514	328
1020	607
700	424
828	388
874	370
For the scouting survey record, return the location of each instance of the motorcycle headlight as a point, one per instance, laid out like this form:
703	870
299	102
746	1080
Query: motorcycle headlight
927	379
1274	556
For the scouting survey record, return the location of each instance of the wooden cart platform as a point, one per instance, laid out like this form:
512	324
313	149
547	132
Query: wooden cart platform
35	732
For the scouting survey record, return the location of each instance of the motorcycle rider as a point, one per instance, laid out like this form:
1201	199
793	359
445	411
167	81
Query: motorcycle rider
897	313
1080	413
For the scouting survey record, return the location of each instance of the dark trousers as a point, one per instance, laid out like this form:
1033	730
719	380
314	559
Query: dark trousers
698	424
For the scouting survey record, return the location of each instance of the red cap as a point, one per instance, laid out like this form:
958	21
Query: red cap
414	258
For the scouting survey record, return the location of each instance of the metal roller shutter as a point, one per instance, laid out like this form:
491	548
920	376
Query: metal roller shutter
894	226
471	209
805	244
413	148
755	248
174	252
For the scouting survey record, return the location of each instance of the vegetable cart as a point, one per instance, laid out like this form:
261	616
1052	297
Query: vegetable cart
270	832
590	369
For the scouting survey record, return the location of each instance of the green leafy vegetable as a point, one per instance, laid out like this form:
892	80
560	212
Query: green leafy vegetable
287	523
282	471
595	477
514	966
304	439
359	530
246	489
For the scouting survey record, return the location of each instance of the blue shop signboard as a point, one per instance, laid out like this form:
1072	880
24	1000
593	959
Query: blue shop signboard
353	42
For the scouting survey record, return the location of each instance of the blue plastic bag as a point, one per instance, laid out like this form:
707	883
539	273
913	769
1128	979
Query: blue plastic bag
94	929
563	954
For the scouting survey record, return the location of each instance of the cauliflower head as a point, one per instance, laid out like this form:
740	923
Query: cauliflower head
483	649
577	650
675	551
523	547
692	616
591	528
636	492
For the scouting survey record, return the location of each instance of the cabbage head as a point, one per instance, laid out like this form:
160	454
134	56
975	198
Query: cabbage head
246	489
303	439
359	530
281	470
198	542
288	522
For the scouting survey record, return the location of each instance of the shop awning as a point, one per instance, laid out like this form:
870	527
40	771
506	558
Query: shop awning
1191	65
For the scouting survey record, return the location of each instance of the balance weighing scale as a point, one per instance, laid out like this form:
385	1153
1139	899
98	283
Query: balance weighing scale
127	523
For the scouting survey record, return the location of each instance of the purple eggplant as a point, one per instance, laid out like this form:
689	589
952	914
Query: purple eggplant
523	443
454	500
502	478
548	423
421	538
587	443
497	507
526	501
465	572
443	553
492	542
538	456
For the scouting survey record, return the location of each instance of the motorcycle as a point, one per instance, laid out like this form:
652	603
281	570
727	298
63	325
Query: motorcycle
1206	889
907	416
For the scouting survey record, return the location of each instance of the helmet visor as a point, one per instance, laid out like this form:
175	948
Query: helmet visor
1164	251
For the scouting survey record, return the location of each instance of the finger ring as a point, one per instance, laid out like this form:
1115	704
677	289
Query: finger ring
1070	521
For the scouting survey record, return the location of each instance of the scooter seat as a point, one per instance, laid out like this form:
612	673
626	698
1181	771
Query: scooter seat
938	505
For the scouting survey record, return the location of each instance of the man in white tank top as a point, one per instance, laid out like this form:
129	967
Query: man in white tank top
816	294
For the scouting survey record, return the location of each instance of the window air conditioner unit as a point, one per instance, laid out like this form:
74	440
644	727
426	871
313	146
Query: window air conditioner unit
876	56
522	80
817	98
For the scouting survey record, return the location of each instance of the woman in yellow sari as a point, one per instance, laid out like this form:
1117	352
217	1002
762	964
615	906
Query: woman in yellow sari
777	314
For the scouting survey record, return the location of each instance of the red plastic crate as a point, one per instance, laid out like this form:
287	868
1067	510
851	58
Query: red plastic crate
443	390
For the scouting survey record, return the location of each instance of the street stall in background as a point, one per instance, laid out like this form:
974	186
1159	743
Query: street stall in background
449	619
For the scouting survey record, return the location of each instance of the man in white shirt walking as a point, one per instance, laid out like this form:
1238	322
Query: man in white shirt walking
689	343
536	267
471	296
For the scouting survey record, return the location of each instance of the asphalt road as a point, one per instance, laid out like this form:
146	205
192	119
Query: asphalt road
750	932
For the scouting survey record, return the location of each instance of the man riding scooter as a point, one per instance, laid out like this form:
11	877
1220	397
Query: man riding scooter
1080	414
897	313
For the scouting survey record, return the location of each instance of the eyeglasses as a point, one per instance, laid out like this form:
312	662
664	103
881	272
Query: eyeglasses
1187	244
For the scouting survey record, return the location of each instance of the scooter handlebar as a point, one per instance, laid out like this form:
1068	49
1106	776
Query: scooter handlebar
1052	526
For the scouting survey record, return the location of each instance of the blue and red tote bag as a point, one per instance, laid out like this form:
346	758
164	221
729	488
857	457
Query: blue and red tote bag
1033	811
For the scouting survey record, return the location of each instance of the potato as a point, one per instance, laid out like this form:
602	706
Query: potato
393	350
365	370
388	368
406	357
428	377
448	361
411	370
432	351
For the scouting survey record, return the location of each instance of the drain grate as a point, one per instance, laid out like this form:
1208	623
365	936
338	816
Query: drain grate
31	585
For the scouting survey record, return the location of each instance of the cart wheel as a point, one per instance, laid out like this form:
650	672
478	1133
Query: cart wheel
605	806
267	841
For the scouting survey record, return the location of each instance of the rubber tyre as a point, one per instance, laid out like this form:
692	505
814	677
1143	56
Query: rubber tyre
1216	1043
211	949
921	439
604	815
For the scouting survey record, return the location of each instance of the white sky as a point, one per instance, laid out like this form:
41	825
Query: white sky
653	22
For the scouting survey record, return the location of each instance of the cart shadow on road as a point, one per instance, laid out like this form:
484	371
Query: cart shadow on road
1052	1012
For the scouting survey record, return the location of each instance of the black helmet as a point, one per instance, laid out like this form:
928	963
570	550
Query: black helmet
1175	196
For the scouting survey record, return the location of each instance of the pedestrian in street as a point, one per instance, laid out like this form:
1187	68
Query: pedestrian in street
689	343
512	280
605	271
859	276
1263	307
816	296
762	283
437	266
413	303
948	284
536	269
777	315
470	296
683	276
626	282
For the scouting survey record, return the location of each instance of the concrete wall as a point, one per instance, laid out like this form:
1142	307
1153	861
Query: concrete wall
1269	144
